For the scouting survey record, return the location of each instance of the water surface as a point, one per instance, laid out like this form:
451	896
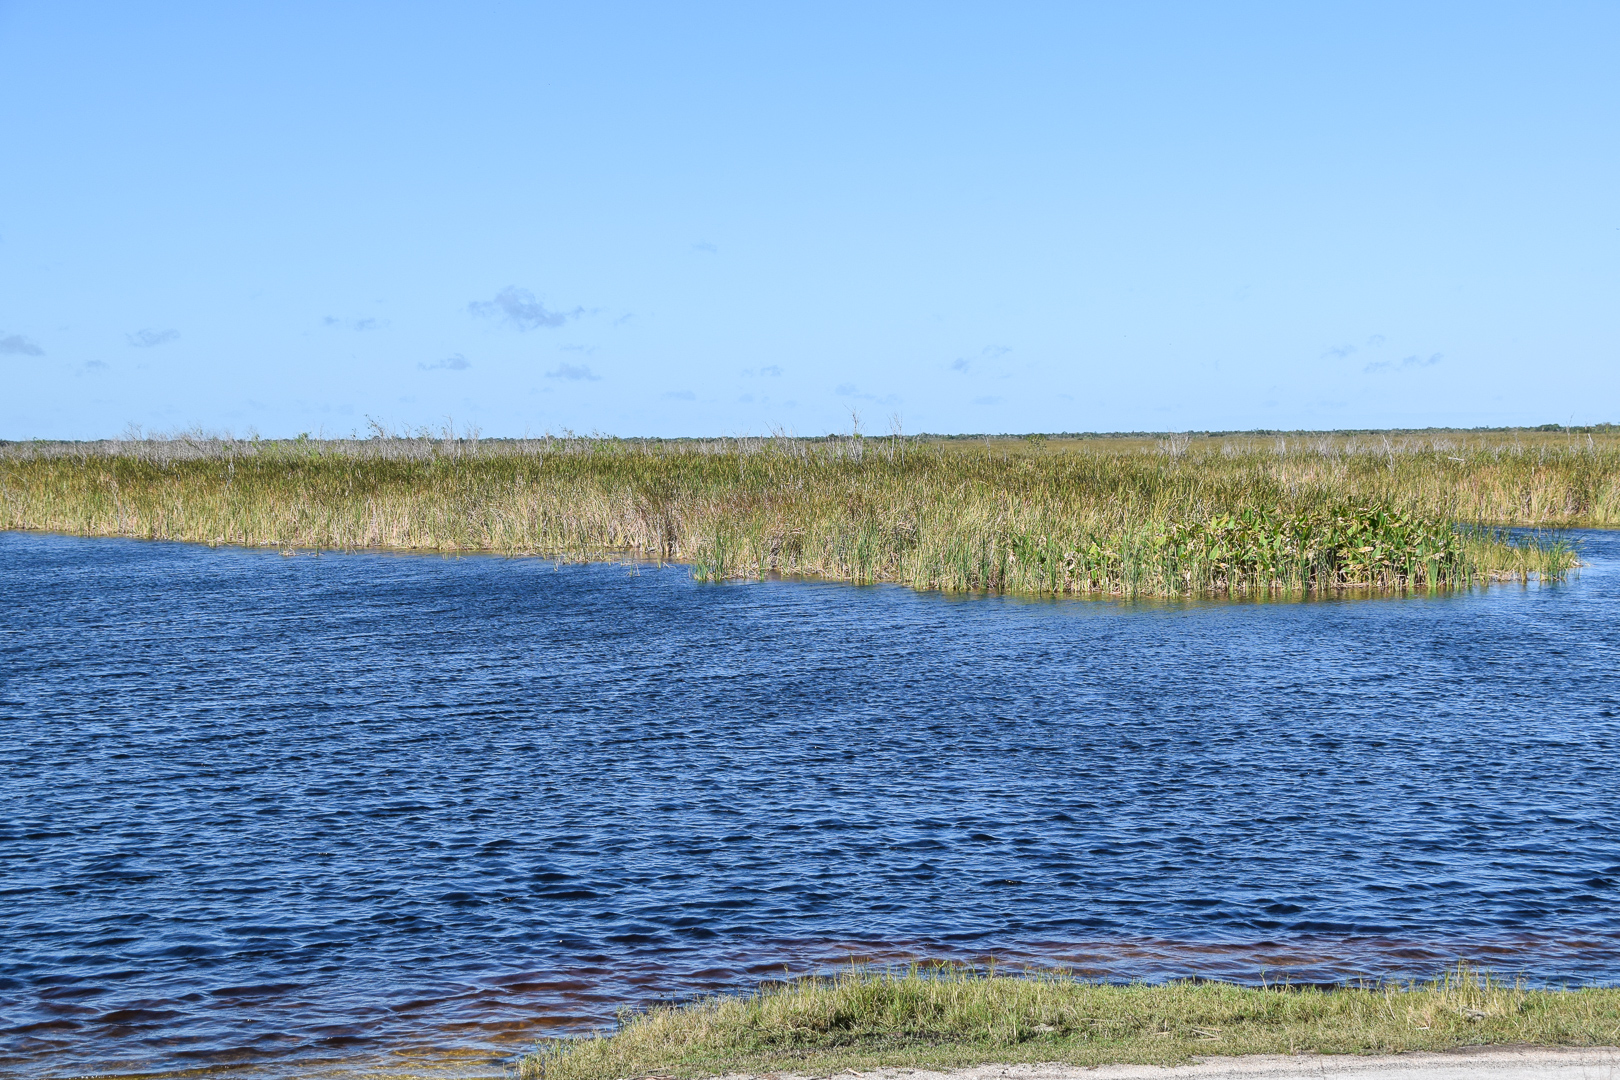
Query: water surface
281	811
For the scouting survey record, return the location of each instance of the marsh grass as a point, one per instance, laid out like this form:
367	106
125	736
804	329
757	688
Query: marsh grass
952	1017
1142	517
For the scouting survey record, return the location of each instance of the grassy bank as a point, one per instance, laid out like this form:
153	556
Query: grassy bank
1165	517
946	1018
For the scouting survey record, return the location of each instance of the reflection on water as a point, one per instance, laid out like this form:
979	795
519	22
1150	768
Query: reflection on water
298	812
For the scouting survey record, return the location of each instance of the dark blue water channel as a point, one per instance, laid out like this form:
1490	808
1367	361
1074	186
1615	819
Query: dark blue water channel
272	809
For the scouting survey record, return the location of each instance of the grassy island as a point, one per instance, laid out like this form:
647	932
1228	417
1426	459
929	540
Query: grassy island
1124	516
948	1018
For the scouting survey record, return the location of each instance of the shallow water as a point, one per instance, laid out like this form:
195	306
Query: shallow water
281	811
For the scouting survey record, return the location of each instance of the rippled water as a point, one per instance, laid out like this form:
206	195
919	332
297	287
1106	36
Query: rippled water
269	810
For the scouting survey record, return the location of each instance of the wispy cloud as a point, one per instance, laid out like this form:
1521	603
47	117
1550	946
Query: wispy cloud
353	324
1340	352
518	307
574	372
148	339
704	245
771	371
989	352
17	345
1405	364
95	367
987	401
850	390
678	395
456	362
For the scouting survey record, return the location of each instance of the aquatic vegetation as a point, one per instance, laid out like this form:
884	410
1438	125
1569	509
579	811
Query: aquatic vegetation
1128	517
953	1017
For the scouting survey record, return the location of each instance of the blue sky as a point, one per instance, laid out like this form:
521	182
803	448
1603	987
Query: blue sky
663	220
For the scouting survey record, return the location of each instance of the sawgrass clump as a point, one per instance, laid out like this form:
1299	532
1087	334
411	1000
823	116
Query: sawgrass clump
950	1017
1107	517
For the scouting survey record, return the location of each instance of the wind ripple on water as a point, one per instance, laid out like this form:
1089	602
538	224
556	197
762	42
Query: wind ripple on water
270	809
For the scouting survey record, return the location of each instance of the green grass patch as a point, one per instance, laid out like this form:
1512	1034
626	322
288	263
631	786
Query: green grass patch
947	1017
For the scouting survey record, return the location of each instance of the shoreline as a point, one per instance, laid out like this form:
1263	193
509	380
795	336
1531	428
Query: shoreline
637	561
944	1020
1564	562
1504	1062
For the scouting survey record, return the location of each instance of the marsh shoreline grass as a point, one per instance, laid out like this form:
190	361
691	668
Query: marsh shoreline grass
1171	516
946	1017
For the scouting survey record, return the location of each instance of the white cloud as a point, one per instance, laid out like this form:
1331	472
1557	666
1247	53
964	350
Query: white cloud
456	362
519	308
147	339
573	372
17	345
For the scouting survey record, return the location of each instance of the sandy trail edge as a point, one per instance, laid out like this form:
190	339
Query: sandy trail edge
1493	1063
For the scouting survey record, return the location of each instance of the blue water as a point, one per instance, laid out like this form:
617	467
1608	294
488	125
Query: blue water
285	810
